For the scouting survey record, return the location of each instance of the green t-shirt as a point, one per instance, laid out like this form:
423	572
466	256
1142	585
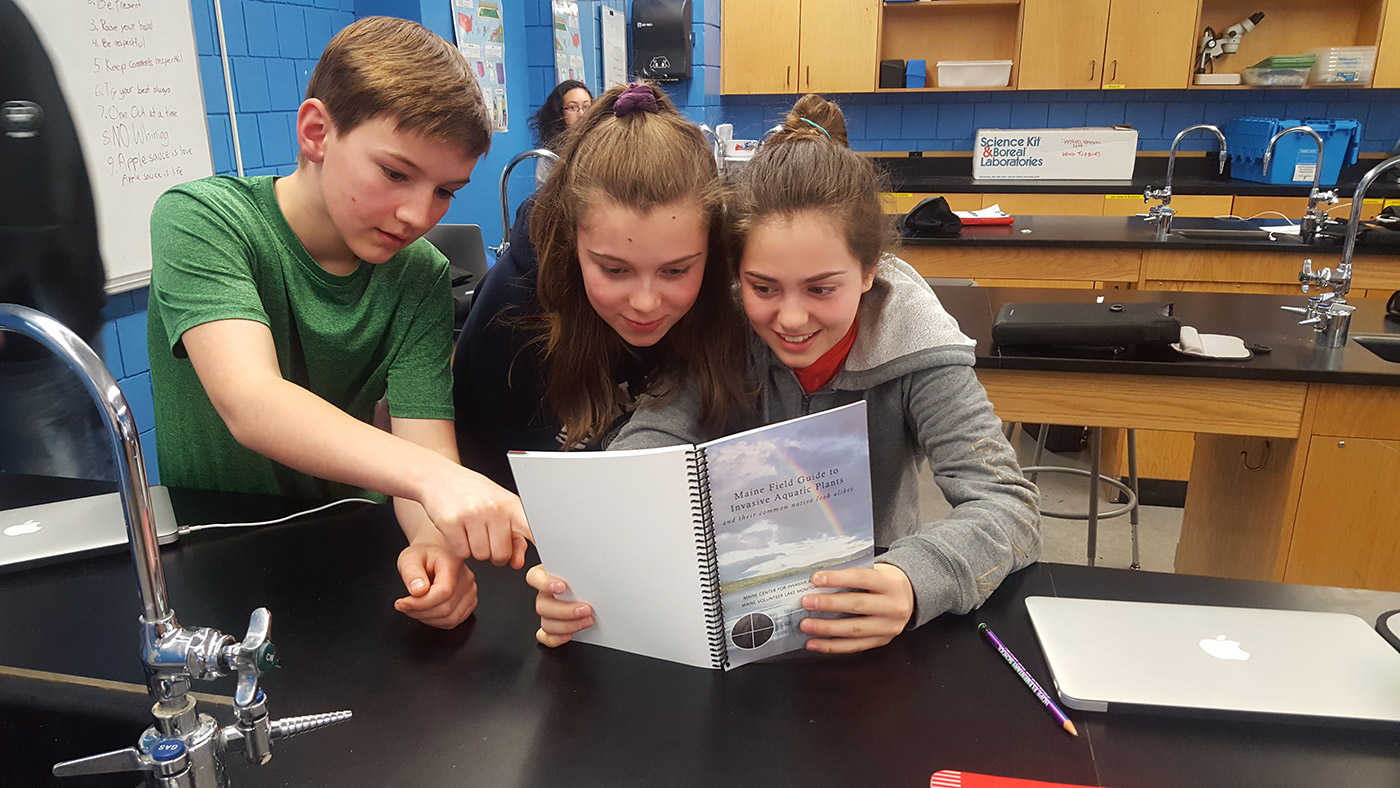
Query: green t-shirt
222	249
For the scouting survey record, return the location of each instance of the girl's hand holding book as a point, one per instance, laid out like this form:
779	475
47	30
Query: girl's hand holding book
879	606
559	620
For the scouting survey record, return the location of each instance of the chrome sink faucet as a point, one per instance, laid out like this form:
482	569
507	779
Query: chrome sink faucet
1162	213
716	146
537	153
1316	215
1329	313
184	749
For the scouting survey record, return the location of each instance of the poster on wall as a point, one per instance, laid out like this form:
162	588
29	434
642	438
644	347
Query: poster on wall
614	35
568	50
481	37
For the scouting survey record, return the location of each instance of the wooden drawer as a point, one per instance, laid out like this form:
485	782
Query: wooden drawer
1046	204
901	202
1025	264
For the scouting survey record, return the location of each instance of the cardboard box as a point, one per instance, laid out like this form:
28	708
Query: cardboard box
1054	154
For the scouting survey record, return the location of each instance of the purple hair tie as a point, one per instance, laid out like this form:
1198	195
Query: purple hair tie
636	96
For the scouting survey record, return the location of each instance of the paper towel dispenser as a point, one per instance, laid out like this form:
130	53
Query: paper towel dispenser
661	39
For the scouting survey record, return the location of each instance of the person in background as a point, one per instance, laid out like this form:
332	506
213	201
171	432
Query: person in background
283	309
565	107
836	319
49	260
631	286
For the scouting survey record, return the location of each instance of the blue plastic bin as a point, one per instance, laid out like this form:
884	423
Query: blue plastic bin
915	73
1294	155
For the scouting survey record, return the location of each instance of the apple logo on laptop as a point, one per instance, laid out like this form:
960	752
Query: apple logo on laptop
24	528
1220	648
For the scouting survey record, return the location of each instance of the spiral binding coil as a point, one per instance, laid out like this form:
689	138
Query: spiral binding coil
703	517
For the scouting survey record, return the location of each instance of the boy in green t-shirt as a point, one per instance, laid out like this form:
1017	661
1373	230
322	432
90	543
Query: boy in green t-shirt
283	309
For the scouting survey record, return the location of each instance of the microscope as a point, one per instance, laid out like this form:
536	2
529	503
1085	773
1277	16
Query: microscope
1217	45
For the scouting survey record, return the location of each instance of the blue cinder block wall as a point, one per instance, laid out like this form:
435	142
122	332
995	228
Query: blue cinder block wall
273	46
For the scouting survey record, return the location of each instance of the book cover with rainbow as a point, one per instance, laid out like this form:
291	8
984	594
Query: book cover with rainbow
786	500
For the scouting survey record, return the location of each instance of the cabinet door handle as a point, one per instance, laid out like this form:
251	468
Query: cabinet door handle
809	77
1093	67
787	81
1114	78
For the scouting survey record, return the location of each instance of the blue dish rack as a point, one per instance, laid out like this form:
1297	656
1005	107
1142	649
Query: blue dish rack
1294	155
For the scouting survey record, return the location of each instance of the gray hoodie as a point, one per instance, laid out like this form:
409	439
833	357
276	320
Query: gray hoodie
913	367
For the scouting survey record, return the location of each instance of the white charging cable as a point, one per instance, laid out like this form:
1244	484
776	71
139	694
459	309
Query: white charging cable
188	529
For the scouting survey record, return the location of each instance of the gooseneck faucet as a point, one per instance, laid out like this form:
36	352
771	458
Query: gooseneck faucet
184	749
1162	213
716	145
1316	215
1328	313
536	153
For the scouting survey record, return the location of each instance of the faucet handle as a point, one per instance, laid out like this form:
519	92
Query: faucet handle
168	758
251	657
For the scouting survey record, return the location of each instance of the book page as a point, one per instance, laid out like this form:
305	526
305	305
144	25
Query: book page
618	527
787	500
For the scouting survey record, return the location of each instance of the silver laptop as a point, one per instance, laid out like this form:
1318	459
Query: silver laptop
1109	655
36	535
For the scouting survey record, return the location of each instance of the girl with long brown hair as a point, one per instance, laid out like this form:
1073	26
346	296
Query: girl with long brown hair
631	288
835	318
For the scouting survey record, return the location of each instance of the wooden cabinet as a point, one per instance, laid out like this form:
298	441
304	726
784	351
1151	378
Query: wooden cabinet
1150	44
798	46
1085	44
1387	73
758	46
1345	533
1063	44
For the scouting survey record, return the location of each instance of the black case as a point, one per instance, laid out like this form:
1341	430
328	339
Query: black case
891	73
1085	325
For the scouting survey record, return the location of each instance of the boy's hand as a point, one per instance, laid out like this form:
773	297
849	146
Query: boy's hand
441	589
881	608
559	620
479	519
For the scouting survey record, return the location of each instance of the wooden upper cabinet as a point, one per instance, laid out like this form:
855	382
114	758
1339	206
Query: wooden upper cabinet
1150	44
838	46
758	46
1387	74
1062	44
797	46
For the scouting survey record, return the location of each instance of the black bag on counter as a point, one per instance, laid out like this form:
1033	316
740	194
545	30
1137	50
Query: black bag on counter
931	218
1079	324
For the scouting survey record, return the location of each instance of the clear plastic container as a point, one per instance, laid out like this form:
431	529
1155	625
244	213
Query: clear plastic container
1274	77
1343	64
974	73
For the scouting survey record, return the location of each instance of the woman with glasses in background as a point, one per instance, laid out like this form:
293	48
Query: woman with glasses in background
565	107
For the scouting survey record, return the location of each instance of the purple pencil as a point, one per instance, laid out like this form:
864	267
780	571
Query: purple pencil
1027	678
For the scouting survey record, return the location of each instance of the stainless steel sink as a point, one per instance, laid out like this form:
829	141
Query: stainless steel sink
1234	235
1387	346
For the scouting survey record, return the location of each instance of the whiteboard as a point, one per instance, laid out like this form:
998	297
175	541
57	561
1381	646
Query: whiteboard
614	36
130	75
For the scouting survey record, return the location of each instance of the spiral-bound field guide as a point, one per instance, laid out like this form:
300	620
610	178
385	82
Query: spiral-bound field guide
700	554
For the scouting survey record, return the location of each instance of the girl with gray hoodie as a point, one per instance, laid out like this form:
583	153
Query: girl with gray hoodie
835	319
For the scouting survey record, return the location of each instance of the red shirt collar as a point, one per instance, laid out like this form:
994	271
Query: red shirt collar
820	372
